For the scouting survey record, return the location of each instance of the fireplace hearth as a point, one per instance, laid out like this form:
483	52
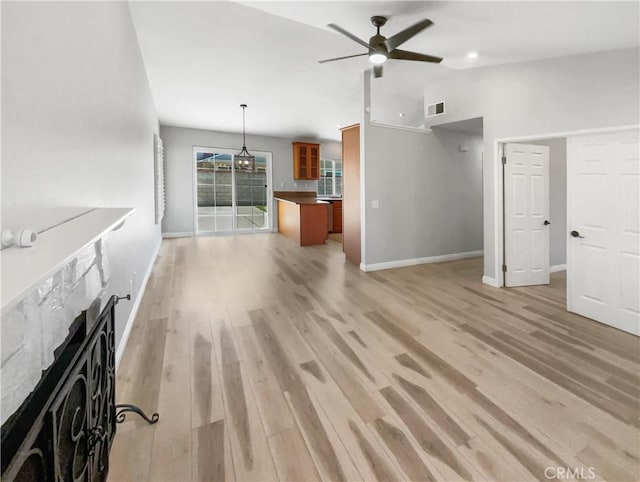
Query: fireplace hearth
64	429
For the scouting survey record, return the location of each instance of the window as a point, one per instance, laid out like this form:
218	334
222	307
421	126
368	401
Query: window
330	182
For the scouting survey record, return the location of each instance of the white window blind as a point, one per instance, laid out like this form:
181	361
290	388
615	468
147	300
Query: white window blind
159	178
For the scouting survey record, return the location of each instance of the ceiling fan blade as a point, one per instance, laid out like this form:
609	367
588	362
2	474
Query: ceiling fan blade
377	71
350	35
401	37
341	58
406	55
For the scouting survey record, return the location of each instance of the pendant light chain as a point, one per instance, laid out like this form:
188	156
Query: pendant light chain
244	142
247	162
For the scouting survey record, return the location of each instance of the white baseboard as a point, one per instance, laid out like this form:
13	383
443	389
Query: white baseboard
557	267
491	282
185	234
134	309
415	261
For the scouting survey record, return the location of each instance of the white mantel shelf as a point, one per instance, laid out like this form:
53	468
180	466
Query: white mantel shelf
23	269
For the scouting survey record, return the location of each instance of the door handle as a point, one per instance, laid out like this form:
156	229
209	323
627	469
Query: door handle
576	234
546	223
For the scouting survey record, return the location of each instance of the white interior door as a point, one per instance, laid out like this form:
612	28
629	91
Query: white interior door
526	214
603	250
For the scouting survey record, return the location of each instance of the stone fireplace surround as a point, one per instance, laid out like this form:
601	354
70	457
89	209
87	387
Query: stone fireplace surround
40	322
44	288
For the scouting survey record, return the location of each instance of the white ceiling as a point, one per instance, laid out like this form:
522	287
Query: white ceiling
204	59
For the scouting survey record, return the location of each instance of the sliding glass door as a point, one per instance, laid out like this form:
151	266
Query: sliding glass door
227	199
252	196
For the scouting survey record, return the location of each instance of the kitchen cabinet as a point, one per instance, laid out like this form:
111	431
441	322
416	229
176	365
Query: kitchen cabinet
306	161
303	219
351	236
337	216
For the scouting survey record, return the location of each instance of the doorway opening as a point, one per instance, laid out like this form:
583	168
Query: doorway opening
229	200
599	224
462	144
534	203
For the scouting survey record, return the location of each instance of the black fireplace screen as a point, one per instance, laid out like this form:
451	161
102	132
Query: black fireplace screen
63	431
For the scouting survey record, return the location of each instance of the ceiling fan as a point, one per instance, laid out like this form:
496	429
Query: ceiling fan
381	48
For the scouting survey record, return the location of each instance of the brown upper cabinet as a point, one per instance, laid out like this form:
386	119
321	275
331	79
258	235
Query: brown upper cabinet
306	161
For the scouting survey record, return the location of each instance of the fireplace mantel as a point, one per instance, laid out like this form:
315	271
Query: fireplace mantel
23	269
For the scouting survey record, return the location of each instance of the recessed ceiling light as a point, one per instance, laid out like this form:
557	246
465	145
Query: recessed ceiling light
401	114
472	55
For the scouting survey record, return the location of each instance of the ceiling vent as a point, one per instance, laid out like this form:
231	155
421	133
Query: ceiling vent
435	109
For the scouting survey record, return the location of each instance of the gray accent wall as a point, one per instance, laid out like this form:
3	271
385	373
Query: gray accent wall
178	148
77	127
429	194
558	95
558	198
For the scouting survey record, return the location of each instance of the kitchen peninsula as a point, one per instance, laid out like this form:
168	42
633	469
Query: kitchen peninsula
302	217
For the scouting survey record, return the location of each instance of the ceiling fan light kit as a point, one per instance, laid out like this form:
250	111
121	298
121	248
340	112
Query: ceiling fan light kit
378	58
381	48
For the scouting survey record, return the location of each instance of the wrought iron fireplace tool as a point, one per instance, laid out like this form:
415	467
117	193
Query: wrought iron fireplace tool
123	408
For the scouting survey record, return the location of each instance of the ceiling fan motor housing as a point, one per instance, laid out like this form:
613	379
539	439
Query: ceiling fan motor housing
377	41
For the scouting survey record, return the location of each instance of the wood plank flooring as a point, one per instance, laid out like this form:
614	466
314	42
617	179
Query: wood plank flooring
268	361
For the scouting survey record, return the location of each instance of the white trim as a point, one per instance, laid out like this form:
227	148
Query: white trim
136	306
401	263
557	267
498	228
221	234
422	130
185	234
491	282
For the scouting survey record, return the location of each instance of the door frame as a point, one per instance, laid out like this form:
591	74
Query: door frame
194	192
498	189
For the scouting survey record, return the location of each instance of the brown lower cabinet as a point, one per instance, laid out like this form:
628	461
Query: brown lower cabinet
304	220
337	216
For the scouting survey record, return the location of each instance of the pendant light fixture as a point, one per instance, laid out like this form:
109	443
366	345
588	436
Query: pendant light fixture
244	160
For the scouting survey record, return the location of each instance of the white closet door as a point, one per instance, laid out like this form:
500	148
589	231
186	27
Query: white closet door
526	214
603	251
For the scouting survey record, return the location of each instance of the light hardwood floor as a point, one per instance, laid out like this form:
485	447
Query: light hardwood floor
270	361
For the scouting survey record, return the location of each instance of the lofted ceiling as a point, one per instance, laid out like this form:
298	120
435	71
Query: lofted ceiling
204	59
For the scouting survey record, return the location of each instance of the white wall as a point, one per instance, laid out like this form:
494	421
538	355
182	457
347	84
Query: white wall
429	194
178	148
556	95
557	198
77	126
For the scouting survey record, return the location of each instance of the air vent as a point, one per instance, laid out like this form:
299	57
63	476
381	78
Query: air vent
435	109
